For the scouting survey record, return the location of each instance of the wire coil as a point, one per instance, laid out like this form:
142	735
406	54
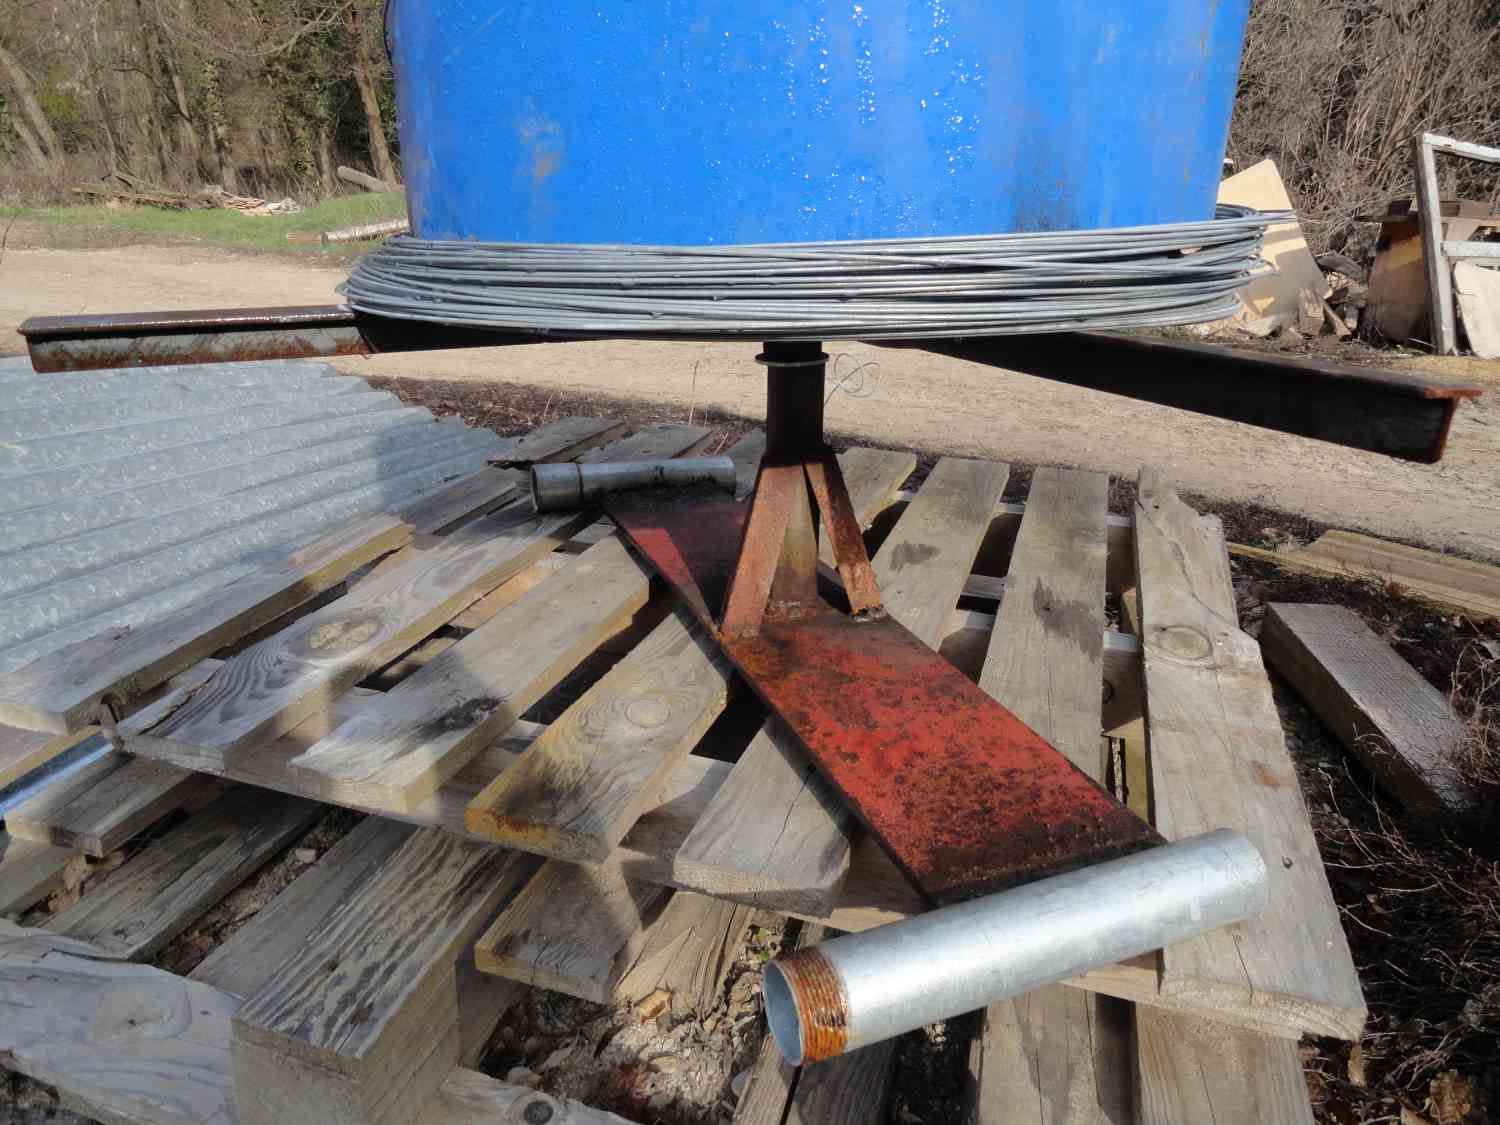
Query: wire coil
1179	273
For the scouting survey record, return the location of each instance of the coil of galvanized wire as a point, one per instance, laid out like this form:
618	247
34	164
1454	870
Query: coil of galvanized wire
1180	273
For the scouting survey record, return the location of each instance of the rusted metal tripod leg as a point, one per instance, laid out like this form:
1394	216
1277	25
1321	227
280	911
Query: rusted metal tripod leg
848	541
778	560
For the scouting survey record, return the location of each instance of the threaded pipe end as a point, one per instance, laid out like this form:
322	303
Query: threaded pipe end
806	1007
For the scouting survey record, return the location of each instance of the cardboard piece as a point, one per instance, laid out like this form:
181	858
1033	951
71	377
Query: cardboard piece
1269	302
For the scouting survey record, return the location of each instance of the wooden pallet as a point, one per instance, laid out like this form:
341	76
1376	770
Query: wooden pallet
617	850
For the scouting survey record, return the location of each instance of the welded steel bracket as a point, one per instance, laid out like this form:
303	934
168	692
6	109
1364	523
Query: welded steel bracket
964	797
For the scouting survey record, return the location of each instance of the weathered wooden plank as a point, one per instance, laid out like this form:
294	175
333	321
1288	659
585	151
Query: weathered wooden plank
1402	728
775	835
108	801
470	1098
1052	1056
579	788
256	951
561	440
1057	1054
21	751
1046	653
128	1043
29	872
462	500
501	596
1219	760
268	689
400	749
849	1090
133	1045
271	687
364	1015
1461	585
163	888
572	929
64	690
1197	1070
687	950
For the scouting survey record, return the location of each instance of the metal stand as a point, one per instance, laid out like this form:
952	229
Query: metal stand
964	797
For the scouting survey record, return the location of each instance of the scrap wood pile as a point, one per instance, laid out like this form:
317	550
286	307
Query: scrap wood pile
563	775
1388	298
129	189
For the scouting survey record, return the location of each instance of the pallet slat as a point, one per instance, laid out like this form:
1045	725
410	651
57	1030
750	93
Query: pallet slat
158	892
1219	760
397	752
578	789
362	1021
1058	1053
573	929
63	690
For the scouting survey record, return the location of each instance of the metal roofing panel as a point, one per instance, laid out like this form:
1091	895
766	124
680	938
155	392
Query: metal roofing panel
126	494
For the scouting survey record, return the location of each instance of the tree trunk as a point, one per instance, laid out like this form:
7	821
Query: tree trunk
325	160
20	84
364	79
157	134
28	138
184	118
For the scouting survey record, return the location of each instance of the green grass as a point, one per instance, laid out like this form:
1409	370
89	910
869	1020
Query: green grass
92	224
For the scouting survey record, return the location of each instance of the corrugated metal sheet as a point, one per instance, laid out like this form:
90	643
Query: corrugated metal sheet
126	494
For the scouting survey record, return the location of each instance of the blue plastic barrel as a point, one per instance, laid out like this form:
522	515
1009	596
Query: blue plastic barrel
735	121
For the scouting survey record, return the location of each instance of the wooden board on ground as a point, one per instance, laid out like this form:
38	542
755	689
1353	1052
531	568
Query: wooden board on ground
401	748
1442	580
64	690
128	1043
362	1020
1219	760
160	890
776	835
1401	727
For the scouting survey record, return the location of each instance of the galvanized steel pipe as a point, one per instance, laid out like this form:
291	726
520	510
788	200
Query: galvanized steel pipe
862	988
572	485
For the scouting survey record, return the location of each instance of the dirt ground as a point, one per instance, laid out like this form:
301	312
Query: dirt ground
907	398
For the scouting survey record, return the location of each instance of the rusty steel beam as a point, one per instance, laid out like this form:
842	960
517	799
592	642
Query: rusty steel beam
83	343
1383	411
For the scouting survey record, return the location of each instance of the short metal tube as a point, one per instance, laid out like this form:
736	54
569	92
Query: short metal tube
866	987
568	484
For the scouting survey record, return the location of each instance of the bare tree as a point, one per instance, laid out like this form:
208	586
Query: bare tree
41	137
364	79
